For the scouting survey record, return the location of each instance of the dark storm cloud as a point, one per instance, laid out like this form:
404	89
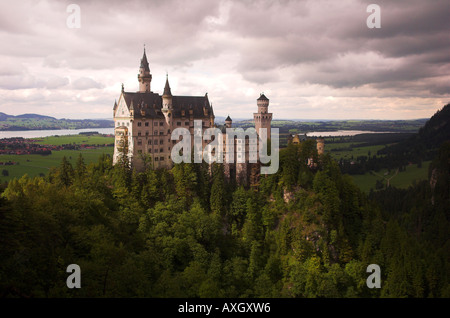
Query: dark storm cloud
117	31
403	17
308	48
317	35
111	34
441	89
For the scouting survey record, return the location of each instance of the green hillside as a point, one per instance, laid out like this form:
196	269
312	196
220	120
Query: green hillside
185	233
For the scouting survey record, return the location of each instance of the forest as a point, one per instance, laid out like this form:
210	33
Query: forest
306	231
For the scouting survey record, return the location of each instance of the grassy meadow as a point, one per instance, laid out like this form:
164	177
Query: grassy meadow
35	165
368	180
400	180
342	150
75	139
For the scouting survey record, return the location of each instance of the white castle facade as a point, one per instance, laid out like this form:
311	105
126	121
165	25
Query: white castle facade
144	122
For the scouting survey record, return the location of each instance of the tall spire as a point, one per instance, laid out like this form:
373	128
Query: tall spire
144	76
167	91
144	62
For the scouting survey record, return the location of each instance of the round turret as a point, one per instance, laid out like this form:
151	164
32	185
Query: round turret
228	122
263	103
320	145
262	118
144	76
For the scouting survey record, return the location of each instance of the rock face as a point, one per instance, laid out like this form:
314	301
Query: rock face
433	180
287	195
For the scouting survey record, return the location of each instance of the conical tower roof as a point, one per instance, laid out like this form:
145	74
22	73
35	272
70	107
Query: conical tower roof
144	62
167	91
262	97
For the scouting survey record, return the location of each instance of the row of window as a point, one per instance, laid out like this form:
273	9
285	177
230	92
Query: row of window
156	142
139	123
155	133
155	123
161	142
156	150
263	117
157	158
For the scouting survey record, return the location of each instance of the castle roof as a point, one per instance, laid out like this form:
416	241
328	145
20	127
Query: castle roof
262	97
149	105
144	62
228	118
167	91
223	128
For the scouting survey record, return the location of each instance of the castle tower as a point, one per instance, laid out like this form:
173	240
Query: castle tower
167	105
320	145
263	118
144	76
228	122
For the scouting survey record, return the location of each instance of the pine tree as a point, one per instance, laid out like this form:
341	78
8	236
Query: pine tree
65	173
80	167
217	198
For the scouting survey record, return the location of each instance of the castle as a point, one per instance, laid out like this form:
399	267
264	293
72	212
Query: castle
297	139
144	121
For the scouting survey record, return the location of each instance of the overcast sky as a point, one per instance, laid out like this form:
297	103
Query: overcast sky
312	59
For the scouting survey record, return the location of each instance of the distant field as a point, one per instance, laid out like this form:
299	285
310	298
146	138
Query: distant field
367	181
402	180
75	139
35	165
347	154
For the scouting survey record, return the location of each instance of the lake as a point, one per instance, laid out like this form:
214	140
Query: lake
47	133
110	131
343	133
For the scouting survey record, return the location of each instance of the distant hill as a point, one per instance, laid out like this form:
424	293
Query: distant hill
34	116
304	126
41	122
424	144
436	130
